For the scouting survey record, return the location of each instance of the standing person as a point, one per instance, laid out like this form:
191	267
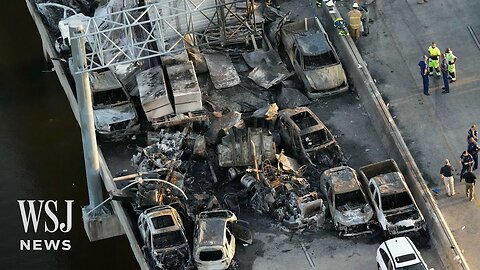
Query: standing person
467	162
473	150
470	184
452	60
472	133
446	173
423	71
355	21
434	61
444	68
365	19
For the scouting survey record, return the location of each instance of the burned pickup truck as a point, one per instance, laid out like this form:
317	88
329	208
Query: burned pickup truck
165	244
307	138
313	57
396	210
214	239
351	213
114	113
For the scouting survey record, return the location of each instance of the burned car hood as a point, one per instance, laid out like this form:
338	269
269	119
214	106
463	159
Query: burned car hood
104	117
405	217
326	78
350	216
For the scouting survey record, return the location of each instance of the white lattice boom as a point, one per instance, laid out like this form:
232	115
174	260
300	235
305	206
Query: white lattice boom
160	28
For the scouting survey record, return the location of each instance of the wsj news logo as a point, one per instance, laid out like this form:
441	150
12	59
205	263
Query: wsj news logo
33	216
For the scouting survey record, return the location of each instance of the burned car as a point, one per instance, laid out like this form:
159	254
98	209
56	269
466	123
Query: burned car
396	210
351	213
306	138
114	113
165	244
313	57
214	239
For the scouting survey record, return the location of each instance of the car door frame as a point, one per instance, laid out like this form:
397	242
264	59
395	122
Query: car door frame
377	205
240	229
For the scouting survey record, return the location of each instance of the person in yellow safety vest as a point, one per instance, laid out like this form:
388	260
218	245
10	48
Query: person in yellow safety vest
355	21
452	59
434	60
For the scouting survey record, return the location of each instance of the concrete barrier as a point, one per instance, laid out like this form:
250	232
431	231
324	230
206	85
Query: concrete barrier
388	133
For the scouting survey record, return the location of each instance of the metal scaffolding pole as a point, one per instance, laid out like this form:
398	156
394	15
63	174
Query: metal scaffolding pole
84	96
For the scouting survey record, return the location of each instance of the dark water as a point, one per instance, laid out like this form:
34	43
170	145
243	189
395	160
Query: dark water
41	154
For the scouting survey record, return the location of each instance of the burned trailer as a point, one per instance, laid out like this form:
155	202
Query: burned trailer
114	113
351	213
215	237
306	138
314	58
395	208
163	234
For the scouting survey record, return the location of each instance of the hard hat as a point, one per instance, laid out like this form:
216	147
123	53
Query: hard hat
330	3
355	5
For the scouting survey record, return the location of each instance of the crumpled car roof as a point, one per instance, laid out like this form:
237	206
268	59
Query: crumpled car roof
311	44
344	181
390	183
111	115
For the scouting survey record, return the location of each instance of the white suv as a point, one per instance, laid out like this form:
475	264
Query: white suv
399	254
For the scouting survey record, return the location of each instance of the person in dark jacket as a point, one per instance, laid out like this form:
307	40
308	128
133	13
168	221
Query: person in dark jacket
473	150
470	184
466	160
472	133
444	69
446	173
424	73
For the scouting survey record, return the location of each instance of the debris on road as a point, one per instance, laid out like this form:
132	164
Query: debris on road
222	71
244	147
291	98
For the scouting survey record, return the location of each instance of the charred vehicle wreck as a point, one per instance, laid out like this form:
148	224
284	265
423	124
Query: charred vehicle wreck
214	239
307	138
313	57
351	213
163	235
395	208
114	113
